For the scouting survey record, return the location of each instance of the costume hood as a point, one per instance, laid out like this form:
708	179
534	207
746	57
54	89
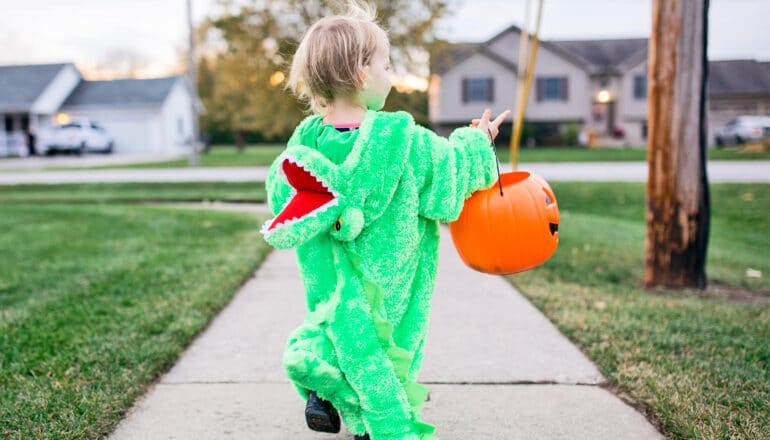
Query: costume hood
341	199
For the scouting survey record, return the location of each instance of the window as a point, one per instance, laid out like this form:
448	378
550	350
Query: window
640	87
180	126
552	88
478	89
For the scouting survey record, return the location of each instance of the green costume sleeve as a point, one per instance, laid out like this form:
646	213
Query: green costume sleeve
452	169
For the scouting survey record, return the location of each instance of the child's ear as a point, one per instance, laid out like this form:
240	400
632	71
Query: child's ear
363	73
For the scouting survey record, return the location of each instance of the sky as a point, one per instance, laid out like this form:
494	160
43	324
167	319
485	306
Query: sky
89	32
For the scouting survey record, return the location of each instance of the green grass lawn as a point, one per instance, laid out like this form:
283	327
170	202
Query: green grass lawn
699	367
263	155
577	154
218	156
133	192
97	301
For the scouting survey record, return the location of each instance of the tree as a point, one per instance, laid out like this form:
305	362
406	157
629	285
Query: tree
414	100
677	186
120	63
257	39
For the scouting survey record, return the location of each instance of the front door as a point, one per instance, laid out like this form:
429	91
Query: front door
611	117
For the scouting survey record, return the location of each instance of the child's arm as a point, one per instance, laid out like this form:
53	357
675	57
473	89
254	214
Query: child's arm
450	170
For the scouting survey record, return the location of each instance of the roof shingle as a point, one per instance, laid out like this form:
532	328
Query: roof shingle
603	54
21	85
739	77
131	92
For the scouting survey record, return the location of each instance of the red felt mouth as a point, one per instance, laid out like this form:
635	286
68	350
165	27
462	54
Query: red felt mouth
311	194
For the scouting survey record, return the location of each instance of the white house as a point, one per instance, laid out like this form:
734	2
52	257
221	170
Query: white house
151	116
592	84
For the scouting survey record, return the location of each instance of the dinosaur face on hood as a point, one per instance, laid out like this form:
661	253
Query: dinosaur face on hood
310	195
316	195
314	203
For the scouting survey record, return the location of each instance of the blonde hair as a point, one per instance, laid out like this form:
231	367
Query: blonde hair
331	54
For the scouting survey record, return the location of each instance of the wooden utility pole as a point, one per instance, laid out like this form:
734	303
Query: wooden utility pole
677	185
521	79
524	75
193	83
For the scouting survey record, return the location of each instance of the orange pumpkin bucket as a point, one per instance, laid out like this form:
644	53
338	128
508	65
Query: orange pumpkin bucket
510	227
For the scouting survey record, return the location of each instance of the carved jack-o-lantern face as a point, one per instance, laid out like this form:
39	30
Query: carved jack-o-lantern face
510	233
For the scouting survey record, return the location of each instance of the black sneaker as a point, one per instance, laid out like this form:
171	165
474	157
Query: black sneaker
321	415
361	437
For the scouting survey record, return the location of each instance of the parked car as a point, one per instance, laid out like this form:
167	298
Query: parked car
78	136
742	129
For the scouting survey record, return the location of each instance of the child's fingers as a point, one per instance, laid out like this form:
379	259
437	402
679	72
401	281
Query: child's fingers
499	120
484	121
485	117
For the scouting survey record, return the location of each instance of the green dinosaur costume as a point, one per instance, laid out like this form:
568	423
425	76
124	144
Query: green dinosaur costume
362	209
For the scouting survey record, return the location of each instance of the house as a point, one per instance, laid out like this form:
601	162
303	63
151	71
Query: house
598	85
737	87
144	116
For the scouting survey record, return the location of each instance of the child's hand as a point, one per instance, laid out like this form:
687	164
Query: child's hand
490	127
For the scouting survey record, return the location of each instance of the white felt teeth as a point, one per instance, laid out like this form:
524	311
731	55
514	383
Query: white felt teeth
295	161
289	222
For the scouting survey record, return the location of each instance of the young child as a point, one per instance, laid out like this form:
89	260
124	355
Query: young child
359	193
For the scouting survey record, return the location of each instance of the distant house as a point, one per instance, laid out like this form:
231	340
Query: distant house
151	116
737	87
590	84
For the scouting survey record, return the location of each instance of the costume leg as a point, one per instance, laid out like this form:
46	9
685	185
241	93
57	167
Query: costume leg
414	369
411	332
374	367
311	363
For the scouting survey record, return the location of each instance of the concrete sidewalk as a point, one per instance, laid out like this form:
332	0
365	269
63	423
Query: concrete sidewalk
496	368
718	171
